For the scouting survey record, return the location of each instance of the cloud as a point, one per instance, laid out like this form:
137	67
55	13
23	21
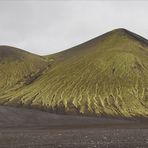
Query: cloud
46	27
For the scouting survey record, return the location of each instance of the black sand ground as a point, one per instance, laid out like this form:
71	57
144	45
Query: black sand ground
25	128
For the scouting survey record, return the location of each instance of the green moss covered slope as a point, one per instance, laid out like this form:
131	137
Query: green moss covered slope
107	75
18	67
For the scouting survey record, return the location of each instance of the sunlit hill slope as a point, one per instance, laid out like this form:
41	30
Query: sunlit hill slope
107	76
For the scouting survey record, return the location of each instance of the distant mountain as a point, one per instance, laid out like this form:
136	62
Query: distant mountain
106	76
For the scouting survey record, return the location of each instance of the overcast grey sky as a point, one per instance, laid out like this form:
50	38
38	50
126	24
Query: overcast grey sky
46	27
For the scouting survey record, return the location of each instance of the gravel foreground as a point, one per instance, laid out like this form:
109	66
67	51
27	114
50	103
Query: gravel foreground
74	138
26	128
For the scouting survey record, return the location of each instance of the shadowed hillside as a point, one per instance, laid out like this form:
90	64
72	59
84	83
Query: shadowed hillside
107	75
18	68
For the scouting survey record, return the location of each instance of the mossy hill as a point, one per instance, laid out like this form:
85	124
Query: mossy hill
106	76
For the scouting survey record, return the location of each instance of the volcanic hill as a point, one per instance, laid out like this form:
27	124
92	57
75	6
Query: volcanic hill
106	76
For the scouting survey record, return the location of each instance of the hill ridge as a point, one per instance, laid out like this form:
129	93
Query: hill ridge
114	35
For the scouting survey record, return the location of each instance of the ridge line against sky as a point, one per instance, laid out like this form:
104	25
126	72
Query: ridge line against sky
46	27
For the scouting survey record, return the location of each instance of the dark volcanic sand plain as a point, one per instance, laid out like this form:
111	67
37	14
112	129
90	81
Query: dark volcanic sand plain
27	128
